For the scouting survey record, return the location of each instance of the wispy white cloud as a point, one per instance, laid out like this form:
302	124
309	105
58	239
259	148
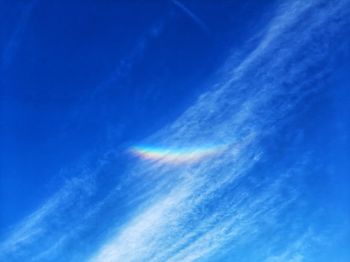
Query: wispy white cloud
247	105
296	251
38	227
230	112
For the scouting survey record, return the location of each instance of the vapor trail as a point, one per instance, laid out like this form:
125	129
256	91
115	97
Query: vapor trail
194	17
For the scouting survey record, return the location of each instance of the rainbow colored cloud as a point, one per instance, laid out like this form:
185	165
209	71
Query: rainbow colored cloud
175	155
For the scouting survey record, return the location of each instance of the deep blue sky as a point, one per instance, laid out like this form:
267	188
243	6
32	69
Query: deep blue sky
84	81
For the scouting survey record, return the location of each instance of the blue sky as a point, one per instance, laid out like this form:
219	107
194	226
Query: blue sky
174	131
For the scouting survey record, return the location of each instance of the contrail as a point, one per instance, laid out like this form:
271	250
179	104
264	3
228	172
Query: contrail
15	39
188	12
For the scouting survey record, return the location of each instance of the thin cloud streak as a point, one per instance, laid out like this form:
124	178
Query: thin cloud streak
16	37
123	67
191	15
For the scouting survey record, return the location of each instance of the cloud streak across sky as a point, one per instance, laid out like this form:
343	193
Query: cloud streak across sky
187	212
16	37
190	14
